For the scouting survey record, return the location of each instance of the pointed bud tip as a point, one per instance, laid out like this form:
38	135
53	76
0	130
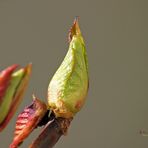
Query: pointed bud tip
28	68
8	71
75	29
13	67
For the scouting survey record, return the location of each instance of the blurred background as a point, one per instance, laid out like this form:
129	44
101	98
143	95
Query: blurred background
116	37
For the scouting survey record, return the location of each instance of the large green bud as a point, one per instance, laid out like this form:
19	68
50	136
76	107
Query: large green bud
69	86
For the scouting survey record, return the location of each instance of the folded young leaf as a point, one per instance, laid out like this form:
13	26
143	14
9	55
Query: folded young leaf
68	88
12	95
28	120
5	77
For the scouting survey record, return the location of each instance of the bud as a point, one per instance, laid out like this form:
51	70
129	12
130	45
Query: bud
68	88
28	120
12	87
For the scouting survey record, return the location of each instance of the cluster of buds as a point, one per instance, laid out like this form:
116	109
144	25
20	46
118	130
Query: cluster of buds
66	95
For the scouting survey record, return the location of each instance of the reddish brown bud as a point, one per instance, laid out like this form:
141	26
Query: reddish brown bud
28	120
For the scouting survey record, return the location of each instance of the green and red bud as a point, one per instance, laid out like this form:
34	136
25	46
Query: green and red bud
68	88
5	77
12	87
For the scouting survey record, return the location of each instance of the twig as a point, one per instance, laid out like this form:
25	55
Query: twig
51	133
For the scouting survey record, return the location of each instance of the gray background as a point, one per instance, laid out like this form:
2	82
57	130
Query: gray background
116	36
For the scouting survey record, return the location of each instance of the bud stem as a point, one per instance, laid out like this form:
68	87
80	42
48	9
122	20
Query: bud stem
51	133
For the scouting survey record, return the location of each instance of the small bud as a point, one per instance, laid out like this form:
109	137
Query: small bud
28	120
68	88
12	87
